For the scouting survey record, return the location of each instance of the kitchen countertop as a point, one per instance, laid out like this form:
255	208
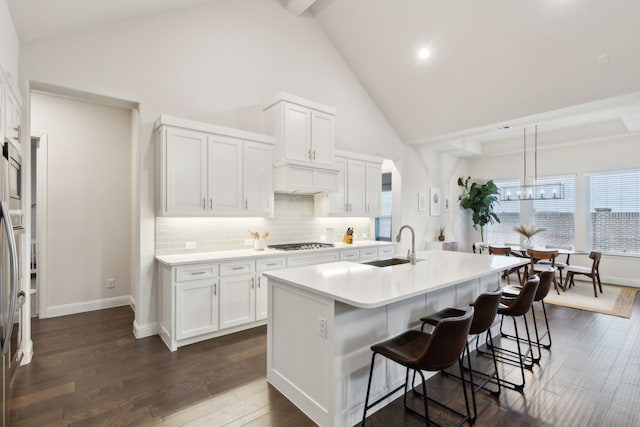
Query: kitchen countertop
217	256
366	286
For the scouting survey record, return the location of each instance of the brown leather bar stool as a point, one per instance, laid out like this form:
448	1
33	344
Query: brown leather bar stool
486	308
546	278
506	251
422	351
517	307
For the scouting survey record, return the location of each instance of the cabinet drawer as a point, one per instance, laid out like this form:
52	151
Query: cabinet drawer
385	252
368	254
196	272
350	255
237	267
302	260
271	264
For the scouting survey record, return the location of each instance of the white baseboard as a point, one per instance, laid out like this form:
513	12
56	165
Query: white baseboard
145	330
82	307
621	281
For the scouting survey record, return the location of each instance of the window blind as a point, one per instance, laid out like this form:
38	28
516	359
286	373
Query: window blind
614	210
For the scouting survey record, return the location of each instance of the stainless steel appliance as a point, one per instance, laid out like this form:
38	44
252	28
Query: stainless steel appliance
10	299
14	178
301	246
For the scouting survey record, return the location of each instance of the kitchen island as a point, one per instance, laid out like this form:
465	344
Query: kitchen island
324	318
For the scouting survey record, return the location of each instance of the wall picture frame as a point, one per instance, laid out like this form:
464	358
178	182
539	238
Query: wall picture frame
422	201
435	201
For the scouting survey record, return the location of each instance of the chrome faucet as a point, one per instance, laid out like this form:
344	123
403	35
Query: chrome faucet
411	255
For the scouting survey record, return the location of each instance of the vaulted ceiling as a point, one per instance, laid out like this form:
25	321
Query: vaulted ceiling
494	66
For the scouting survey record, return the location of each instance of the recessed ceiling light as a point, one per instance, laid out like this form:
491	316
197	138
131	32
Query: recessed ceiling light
424	53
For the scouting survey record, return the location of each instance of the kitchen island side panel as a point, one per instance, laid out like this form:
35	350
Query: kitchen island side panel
299	353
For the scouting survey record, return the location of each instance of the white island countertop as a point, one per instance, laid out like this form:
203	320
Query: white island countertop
367	286
216	256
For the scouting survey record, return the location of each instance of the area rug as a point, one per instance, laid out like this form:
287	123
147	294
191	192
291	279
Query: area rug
614	300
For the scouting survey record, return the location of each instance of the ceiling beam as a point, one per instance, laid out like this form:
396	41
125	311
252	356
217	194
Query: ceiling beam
297	7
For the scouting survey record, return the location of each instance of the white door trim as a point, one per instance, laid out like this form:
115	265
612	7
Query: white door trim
42	227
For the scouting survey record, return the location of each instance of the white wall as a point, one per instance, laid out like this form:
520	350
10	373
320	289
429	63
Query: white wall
578	159
219	62
9	45
88	193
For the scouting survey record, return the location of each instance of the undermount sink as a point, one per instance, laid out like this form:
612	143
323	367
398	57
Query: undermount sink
389	262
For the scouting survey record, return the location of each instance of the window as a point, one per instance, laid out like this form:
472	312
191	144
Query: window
383	222
509	214
615	213
556	216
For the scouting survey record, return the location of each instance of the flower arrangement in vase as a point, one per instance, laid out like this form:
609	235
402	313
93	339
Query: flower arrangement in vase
528	232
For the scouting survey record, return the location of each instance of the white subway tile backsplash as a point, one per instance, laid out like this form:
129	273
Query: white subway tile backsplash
293	221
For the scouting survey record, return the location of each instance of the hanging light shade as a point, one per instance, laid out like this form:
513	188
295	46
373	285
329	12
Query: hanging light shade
536	191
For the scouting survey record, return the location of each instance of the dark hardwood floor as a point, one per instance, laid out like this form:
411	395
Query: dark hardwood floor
88	369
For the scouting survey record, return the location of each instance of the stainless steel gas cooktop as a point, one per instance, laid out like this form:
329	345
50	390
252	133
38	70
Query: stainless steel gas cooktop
301	246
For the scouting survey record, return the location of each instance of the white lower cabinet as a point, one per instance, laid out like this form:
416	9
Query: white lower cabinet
206	300
237	300
196	308
262	284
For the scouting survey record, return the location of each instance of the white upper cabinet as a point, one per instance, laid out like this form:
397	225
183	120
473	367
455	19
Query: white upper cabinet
304	130
258	178
13	114
185	172
225	175
373	188
207	170
10	112
3	88
359	187
322	137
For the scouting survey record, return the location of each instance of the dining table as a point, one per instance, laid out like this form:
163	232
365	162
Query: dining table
521	251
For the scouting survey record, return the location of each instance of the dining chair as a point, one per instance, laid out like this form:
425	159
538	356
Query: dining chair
560	266
477	247
543	255
506	251
593	272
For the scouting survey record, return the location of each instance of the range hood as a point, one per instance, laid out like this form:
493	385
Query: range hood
298	178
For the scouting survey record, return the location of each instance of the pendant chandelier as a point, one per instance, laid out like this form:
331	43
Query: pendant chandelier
535	191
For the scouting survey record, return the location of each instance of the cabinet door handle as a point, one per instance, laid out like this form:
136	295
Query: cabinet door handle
237	268
309	154
211	203
271	264
246	204
215	288
195	273
204	203
253	283
349	207
259	280
314	154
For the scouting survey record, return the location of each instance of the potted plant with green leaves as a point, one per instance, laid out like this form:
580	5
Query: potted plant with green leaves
441	234
481	199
